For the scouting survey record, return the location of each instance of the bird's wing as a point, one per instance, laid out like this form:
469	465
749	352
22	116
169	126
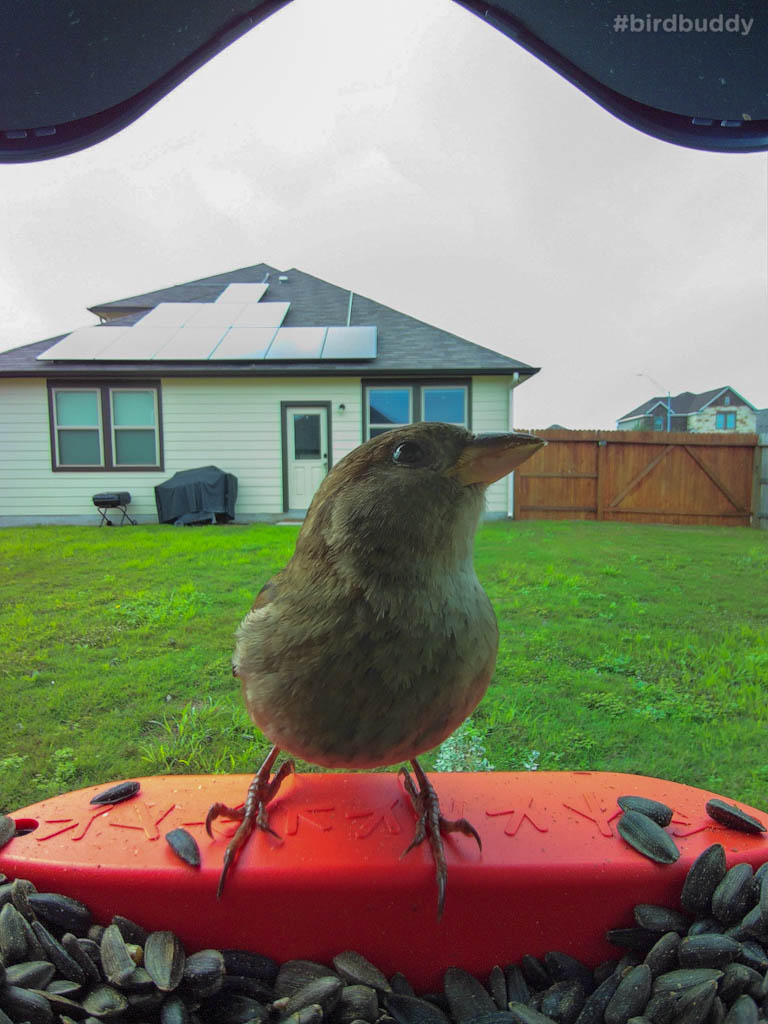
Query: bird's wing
265	596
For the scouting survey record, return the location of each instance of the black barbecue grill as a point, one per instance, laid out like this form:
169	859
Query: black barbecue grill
116	500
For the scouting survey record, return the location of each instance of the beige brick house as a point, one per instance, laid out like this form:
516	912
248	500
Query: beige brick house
721	409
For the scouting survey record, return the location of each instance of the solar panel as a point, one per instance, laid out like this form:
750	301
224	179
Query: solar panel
350	343
244	343
191	343
169	314
85	343
261	314
243	292
297	343
211	314
137	343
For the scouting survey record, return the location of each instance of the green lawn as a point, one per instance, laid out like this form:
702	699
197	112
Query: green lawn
628	648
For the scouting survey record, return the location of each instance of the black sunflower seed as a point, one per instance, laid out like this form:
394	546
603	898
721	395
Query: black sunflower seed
653	809
733	816
116	794
704	876
184	846
647	837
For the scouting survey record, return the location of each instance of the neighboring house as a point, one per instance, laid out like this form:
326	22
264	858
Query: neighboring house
761	421
721	409
270	375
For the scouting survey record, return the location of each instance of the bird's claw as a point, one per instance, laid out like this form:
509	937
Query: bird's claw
252	815
432	825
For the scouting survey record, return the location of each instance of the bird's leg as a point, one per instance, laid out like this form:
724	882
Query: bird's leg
253	814
431	824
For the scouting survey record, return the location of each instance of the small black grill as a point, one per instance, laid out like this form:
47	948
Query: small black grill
116	500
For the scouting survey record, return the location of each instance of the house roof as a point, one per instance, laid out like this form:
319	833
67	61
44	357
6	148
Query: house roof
405	345
683	404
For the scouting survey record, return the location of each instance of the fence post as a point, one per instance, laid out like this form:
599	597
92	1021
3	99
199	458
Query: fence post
760	484
602	448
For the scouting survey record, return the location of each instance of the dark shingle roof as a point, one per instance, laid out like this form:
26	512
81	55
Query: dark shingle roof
683	404
405	345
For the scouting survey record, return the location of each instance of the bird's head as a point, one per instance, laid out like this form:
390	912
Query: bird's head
411	489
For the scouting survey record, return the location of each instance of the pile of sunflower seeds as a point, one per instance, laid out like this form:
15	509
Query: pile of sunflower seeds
702	963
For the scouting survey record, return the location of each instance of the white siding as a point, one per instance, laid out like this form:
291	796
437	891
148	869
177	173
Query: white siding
490	412
233	423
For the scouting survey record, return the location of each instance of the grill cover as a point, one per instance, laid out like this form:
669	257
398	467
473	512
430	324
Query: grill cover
197	495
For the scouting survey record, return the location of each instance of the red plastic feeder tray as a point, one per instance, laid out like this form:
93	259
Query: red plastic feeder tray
553	873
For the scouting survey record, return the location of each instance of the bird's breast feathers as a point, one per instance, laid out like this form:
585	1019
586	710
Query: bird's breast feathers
345	680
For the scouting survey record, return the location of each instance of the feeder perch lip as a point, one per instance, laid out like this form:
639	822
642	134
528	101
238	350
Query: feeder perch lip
553	872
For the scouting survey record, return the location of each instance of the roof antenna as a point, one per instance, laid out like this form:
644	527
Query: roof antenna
349	308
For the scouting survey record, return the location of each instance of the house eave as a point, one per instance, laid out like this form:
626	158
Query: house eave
155	369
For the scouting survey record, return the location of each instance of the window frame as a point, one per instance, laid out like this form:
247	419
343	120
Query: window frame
445	387
56	427
113	429
106	426
725	416
416	385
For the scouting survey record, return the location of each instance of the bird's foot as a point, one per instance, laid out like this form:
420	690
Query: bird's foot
432	825
253	814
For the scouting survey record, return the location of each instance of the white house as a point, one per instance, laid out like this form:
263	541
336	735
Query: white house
270	375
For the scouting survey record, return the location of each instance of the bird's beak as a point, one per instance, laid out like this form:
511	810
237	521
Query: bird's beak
489	457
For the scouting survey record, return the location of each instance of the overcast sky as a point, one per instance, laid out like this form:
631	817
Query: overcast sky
415	155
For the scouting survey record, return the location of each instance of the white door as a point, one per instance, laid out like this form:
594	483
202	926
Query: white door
307	450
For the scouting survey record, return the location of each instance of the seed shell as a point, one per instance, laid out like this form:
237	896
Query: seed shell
733	896
708	950
733	816
116	961
563	1001
60	911
653	809
660	919
184	846
30	974
743	1011
630	997
527	1015
466	997
13	935
694	1004
662	956
356	970
647	837
24	1004
594	1008
116	794
411	1010
104	1001
677	981
164	959
704	876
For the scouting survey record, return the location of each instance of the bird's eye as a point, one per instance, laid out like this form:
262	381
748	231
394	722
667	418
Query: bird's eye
408	453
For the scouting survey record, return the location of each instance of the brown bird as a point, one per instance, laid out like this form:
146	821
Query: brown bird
376	640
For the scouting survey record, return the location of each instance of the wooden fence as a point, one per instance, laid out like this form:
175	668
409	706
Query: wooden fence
642	477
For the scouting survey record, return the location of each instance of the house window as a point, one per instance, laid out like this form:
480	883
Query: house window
134	426
445	404
727	400
104	427
400	404
658	422
725	421
387	408
77	428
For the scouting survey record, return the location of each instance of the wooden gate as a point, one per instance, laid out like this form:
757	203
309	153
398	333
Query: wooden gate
639	477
